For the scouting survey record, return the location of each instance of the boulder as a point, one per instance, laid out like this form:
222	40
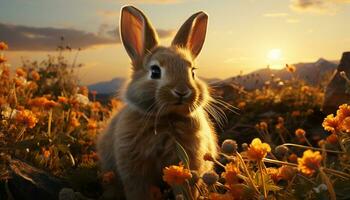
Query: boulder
337	90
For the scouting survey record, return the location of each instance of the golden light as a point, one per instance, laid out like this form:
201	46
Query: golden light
274	54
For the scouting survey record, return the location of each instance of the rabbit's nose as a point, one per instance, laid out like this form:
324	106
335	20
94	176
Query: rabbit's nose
181	93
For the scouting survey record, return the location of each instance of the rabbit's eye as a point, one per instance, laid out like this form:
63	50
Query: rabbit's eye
155	72
193	72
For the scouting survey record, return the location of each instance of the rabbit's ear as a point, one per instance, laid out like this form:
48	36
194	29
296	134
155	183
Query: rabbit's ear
192	33
137	34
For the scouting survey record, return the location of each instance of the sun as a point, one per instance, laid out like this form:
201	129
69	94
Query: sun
274	54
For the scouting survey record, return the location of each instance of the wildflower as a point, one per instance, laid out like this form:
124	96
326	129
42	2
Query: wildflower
32	85
35	75
46	153
74	122
84	90
229	146
331	123
210	178
92	124
300	132
3	46
310	162
286	172
95	106
62	100
50	104
82	99
345	125
258	150
20	81
2	59
230	174
305	89
343	112
38	101
195	177
176	175
218	196
26	117
274	174
332	139
21	72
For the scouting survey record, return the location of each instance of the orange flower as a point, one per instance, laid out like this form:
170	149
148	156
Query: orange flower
258	150
274	174
92	124
3	46
305	89
310	162
74	122
2	59
21	72
343	112
35	75
50	104
62	100
46	153
230	174
332	139
176	175
38	101
300	132
345	125
331	123
217	196
26	117
84	90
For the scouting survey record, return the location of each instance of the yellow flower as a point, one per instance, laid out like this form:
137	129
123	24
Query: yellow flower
3	46
310	162
258	150
176	175
331	123
26	117
300	132
230	174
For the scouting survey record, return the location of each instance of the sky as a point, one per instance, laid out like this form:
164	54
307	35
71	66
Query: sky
242	36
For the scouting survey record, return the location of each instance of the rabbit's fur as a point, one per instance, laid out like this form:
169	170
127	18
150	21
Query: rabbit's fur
140	140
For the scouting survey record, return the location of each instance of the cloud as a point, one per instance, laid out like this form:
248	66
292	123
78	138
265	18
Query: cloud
21	37
275	15
317	6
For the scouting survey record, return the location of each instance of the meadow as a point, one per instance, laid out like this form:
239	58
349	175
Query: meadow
275	141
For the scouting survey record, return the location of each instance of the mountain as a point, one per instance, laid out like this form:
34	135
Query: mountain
311	73
107	87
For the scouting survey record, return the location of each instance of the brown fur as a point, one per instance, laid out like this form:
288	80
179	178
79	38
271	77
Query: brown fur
140	139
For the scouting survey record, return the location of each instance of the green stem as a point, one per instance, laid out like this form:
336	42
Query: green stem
314	148
262	179
247	172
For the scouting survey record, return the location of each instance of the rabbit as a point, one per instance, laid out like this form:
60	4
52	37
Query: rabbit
165	103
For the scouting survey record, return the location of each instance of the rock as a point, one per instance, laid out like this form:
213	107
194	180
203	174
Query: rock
30	183
336	91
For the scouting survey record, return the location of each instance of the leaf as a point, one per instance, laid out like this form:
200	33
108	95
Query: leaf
269	184
181	153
